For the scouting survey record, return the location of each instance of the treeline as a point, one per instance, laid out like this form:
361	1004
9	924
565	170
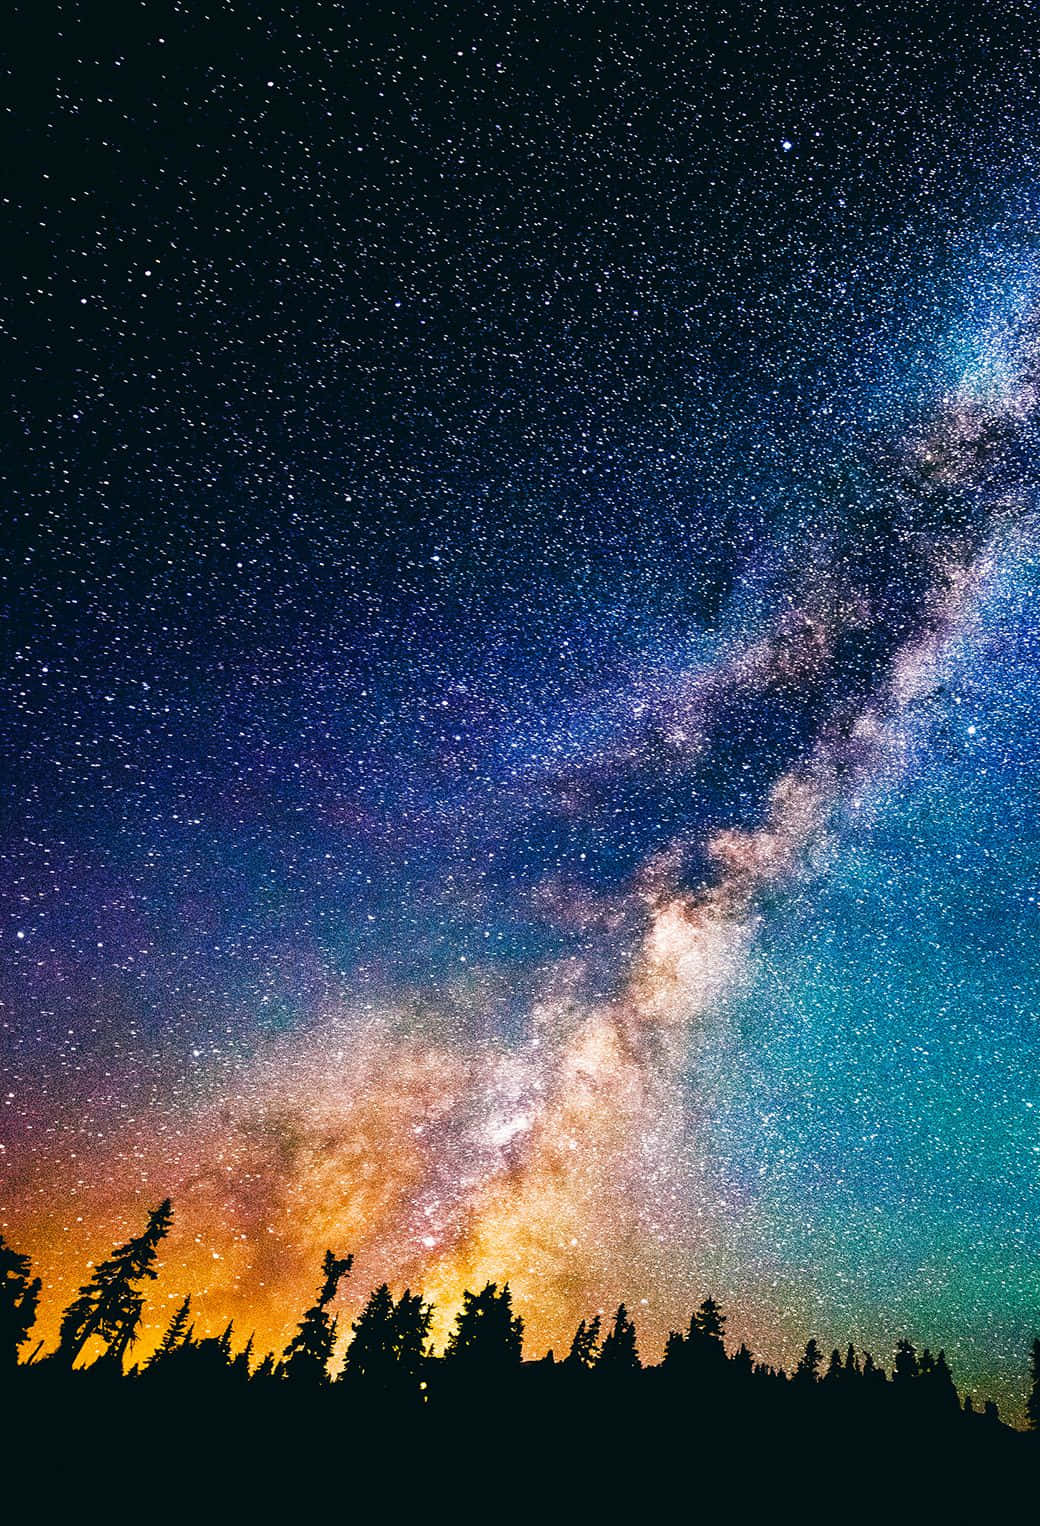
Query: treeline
388	1354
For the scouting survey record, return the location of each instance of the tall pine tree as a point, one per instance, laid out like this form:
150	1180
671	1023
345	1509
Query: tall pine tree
585	1345
307	1356
174	1337
808	1368
371	1354
109	1305
618	1354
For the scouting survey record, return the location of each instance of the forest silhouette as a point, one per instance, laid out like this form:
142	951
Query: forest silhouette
593	1429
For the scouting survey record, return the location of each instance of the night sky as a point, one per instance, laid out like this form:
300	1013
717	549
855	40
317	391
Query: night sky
518	739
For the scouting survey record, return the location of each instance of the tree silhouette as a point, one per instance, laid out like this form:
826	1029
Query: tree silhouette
174	1338
109	1305
487	1335
265	1368
619	1355
585	1345
19	1297
871	1371
389	1339
240	1363
710	1322
306	1357
371	1352
743	1360
906	1365
1033	1402
808	1368
392	1378
940	1389
701	1352
412	1331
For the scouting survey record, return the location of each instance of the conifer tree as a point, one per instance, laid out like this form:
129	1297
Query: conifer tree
906	1366
412	1332
834	1367
1033	1402
943	1390
175	1336
710	1324
19	1297
585	1345
487	1335
743	1360
674	1351
871	1371
389	1341
371	1352
618	1354
808	1368
241	1363
306	1357
851	1364
109	1305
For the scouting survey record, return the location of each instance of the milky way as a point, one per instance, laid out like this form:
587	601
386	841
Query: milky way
519	727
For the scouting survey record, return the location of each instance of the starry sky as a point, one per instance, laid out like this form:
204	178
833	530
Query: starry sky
519	744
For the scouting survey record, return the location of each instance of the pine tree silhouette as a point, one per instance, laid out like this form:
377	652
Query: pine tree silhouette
371	1352
851	1364
240	1364
618	1354
585	1345
306	1357
871	1371
906	1366
701	1352
710	1322
389	1342
834	1368
19	1297
938	1385
743	1360
412	1318
674	1351
487	1335
808	1368
174	1338
109	1305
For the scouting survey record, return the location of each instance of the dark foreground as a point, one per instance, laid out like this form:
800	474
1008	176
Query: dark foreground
547	1445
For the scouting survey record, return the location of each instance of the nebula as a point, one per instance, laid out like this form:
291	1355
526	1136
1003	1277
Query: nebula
519	733
550	1159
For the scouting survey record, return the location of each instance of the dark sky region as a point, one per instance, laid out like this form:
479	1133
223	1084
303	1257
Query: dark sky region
519	741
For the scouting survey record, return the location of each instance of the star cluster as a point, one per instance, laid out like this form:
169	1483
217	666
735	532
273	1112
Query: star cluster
519	737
